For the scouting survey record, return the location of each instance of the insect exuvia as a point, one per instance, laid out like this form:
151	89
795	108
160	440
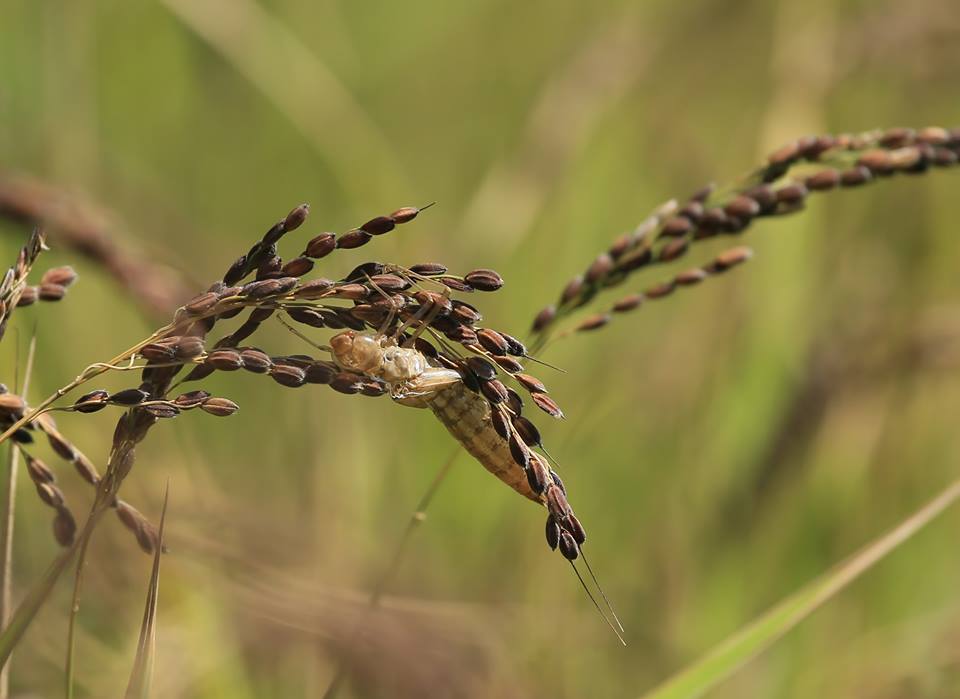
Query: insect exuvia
481	414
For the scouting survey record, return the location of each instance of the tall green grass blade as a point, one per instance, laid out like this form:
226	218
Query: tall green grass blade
140	676
747	644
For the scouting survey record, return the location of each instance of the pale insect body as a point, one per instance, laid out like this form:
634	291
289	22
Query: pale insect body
484	429
416	382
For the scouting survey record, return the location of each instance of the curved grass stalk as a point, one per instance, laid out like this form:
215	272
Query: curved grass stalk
748	643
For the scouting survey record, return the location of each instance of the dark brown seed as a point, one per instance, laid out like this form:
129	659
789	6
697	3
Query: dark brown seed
456	284
352	291
676	227
544	318
764	196
192	399
732	257
237	271
484	370
547	405
256	361
527	430
407	213
39	471
568	546
11	403
331	319
270	269
289	376
673	249
896	137
379	225
572	289
593	322
86	469
389	282
557	502
713	219
313	289
320	372
297	267
307	316
64	527
220	407
373	388
492	341
428	269
934	135
346	382
514	402
823	180
91	402
500	422
260	289
464	312
162	410
321	246
462	334
231	313
514	346
531	383
202	303
51	292
628	303
601	267
690	277
296	218
188	347
552	532
742	207
224	360
27	297
509	364
199	372
518	450
658	291
50	494
855	176
61	276
350	320
880	162
791	193
620	246
556	479
536	477
484	280
353	239
494	391
62	448
130	396
785	155
572	525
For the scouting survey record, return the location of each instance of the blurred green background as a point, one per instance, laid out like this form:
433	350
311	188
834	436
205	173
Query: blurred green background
722	447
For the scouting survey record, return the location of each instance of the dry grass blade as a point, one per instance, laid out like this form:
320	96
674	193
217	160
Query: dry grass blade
747	644
139	685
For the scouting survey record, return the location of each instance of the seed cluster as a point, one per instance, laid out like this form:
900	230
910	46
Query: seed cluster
780	187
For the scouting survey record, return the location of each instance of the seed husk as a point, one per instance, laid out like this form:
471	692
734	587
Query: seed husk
557	502
514	346
347	382
514	402
321	246
531	383
492	341
676	227
494	391
428	269
191	399
220	407
373	388
61	276
224	360
690	277
129	396
628	303
296	217
742	206
202	303
64	527
500	422
568	546
39	471
457	284
599	268
464	312
544	318
28	297
287	375
353	239
527	430
379	225
188	347
297	267
484	370
162	410
552	532
484	280
855	176
547	405
594	322
572	525
407	213
255	361
51	292
313	289
572	289
12	403
307	316
351	291
509	364
658	291
732	257
823	180
518	450
389	282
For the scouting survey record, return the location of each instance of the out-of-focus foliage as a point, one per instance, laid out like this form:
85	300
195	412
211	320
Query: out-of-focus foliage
722	448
